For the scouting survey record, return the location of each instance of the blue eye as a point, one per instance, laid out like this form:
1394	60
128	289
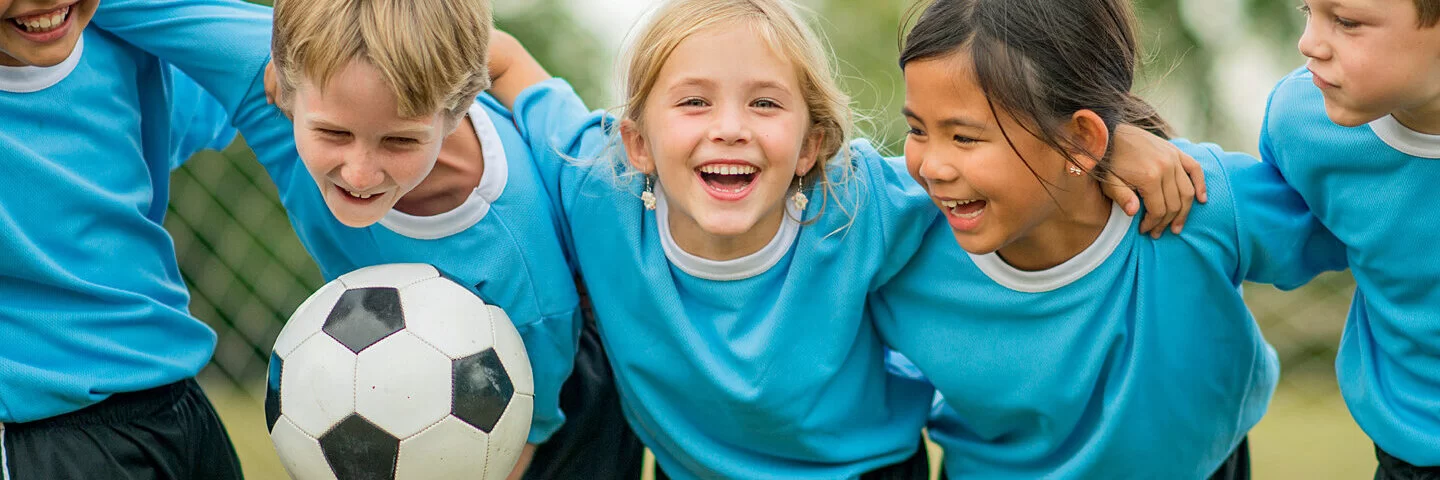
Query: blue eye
693	102
766	103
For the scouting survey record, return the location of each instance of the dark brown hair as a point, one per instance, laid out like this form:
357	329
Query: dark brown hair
1043	60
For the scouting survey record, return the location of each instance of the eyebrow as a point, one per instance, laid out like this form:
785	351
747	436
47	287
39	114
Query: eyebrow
749	85
416	132
692	82
947	122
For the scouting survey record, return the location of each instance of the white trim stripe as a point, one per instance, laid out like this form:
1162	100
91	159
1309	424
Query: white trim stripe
28	79
1116	228
4	466
1407	141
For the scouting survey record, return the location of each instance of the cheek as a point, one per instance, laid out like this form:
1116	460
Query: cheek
318	157
410	168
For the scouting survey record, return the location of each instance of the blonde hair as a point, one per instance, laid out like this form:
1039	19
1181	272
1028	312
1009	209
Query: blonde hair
1429	11
432	53
777	23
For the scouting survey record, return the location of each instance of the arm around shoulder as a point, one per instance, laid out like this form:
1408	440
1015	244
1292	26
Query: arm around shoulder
1281	241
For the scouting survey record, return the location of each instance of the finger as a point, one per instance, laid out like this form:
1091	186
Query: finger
1151	193
1187	200
1121	194
1171	197
1196	173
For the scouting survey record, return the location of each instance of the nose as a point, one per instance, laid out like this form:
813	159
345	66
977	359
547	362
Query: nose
729	126
936	168
361	170
1312	44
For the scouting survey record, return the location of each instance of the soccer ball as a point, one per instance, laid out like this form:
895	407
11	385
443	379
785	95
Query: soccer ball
397	372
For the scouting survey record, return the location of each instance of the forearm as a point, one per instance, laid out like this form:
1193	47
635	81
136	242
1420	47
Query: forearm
512	69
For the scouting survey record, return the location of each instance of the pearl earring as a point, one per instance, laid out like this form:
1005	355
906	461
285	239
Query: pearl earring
648	197
800	199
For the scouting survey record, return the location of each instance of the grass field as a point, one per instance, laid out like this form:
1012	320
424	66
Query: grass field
1307	434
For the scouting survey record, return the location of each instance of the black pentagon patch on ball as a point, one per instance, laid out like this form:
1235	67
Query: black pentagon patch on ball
358	450
482	389
272	393
363	316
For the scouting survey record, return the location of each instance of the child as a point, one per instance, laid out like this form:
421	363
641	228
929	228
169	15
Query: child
731	275
100	351
1064	344
373	107
1368	173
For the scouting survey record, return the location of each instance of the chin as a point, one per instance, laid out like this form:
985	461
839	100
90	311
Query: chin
973	245
728	229
353	219
1347	117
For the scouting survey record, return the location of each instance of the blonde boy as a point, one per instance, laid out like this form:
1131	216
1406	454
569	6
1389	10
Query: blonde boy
402	161
1357	133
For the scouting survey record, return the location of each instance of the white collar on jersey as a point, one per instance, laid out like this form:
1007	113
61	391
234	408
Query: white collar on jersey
725	270
1407	141
492	184
33	79
1065	273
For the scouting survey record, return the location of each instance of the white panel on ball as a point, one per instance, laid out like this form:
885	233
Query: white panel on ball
511	350
514	424
450	449
396	275
317	385
308	319
454	317
402	384
299	452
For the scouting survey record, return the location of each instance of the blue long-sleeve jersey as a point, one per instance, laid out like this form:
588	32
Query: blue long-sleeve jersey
1137	358
93	303
765	366
501	242
1374	186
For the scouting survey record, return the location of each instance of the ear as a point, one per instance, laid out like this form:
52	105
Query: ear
809	152
636	148
1091	135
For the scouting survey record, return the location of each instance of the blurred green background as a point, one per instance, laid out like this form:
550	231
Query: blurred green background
1209	65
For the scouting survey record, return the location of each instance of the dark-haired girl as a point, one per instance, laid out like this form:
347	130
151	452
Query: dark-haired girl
1065	343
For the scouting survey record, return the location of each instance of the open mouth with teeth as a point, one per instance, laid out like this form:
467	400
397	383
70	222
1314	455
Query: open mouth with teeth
357	197
963	208
45	22
728	181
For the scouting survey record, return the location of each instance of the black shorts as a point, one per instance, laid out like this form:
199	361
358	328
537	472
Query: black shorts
1391	468
169	432
917	467
595	442
1237	467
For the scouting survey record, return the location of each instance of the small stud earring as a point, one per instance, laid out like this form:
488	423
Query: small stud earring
648	197
1076	171
800	199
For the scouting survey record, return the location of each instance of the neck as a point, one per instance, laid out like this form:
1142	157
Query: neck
457	172
691	238
1424	119
1065	234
